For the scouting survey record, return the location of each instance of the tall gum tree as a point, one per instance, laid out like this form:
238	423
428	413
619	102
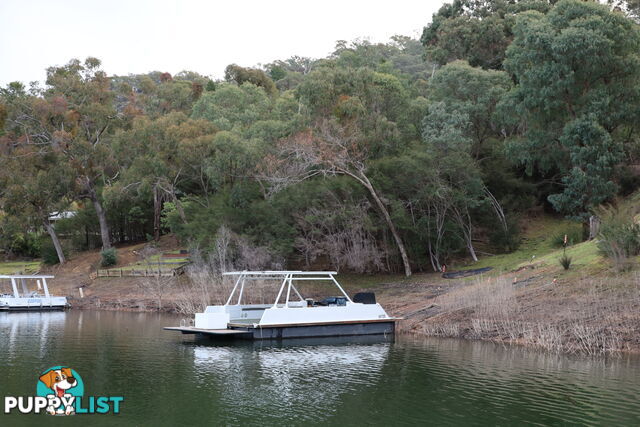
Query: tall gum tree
326	150
35	186
73	117
577	71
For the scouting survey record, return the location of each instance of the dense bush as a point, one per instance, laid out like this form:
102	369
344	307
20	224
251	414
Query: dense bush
48	252
109	257
25	244
619	237
506	239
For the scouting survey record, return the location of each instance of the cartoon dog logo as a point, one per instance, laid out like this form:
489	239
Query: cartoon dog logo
60	381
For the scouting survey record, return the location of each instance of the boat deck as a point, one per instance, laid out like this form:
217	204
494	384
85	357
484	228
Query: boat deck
192	330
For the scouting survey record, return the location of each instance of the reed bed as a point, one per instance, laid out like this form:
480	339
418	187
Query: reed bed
594	317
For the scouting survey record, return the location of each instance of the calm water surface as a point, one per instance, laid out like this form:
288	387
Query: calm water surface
170	379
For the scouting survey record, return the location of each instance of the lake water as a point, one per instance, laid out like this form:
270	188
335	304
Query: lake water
170	379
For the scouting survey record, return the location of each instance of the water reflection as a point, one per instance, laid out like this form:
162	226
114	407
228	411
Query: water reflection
15	327
170	379
287	375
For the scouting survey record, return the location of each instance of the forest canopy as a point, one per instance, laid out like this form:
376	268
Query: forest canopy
395	156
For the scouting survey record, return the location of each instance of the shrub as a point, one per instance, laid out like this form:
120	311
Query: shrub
506	240
109	257
574	236
619	237
25	244
48	252
565	261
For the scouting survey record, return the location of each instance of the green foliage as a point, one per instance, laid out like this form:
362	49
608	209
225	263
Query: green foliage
565	261
474	94
232	107
476	31
211	86
25	244
370	149
506	239
619	235
108	257
574	235
48	252
576	69
254	76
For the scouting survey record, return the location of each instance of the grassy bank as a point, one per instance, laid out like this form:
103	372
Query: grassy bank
19	267
529	298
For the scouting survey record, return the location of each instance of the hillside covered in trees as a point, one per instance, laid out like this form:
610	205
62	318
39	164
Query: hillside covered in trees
381	157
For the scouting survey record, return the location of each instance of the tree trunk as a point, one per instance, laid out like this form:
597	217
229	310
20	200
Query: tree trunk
465	225
55	240
392	228
472	251
102	218
157	210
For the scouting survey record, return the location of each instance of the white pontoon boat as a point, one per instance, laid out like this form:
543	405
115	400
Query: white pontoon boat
295	317
30	300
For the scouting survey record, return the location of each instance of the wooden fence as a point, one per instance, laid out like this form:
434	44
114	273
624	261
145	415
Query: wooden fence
139	272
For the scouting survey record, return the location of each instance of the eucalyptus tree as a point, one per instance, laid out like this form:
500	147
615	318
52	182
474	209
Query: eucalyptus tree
577	70
241	75
475	93
330	149
73	117
478	31
356	116
458	185
165	158
234	107
35	185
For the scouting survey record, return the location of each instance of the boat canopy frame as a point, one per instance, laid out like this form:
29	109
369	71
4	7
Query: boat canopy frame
38	278
288	277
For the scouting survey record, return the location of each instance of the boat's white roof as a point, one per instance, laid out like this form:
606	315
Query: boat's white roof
286	276
279	273
21	276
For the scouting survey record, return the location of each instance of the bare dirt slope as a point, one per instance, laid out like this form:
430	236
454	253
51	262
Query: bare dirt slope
105	293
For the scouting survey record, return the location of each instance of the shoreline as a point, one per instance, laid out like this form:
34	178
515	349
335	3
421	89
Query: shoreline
590	309
426	311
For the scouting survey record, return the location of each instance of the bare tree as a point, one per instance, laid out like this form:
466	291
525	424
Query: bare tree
341	233
436	209
157	287
463	218
329	149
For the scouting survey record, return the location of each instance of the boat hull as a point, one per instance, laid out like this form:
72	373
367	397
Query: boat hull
343	329
327	330
34	308
33	303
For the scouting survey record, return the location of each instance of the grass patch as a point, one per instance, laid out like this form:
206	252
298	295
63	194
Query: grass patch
158	261
19	267
538	239
586	259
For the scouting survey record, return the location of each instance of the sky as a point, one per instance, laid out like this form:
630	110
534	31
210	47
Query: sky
138	36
